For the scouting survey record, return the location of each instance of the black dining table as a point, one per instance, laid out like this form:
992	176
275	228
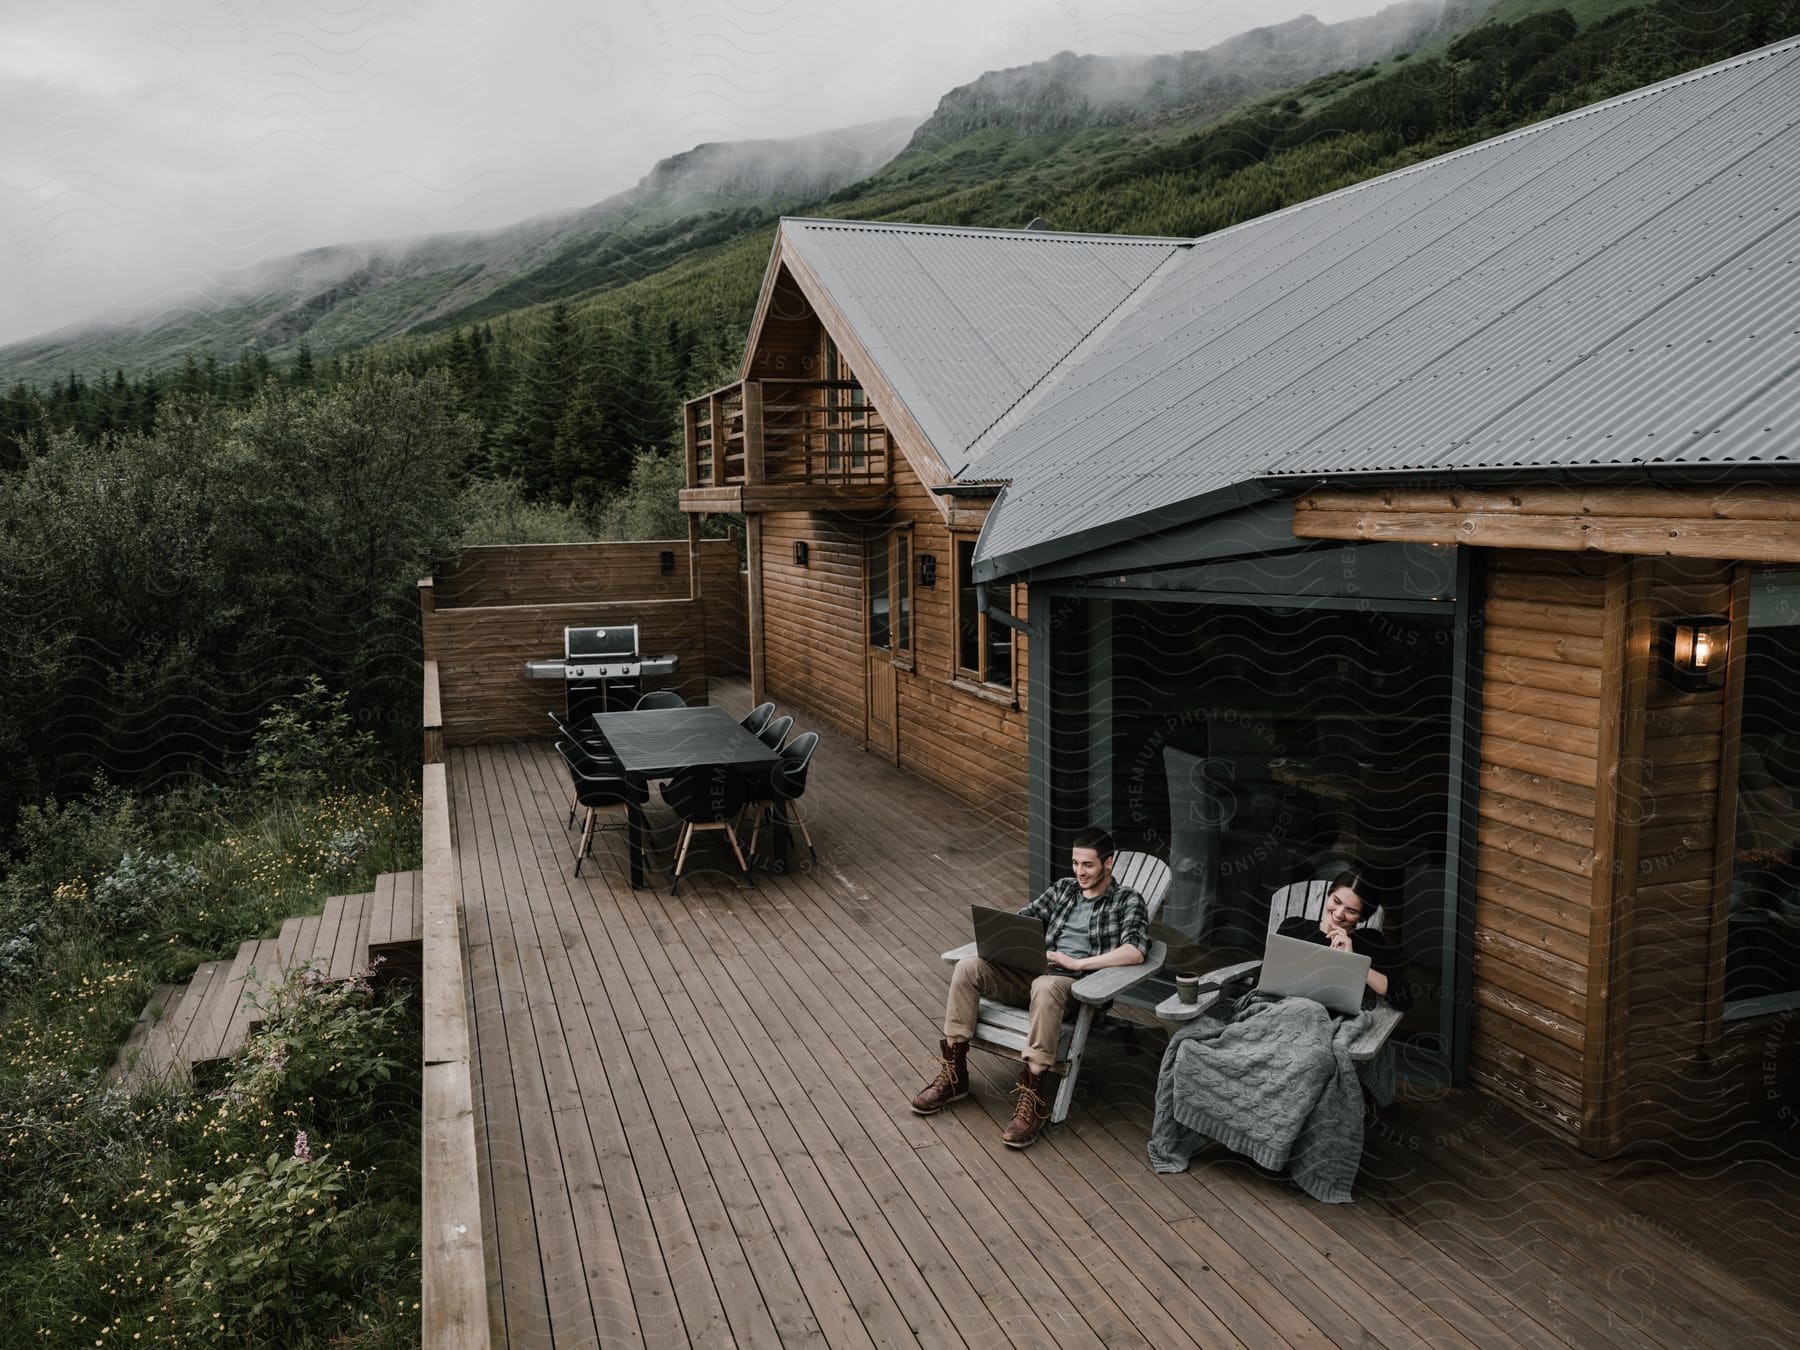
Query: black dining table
660	742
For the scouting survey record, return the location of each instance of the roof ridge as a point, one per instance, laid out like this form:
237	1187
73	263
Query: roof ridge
1039	389
989	232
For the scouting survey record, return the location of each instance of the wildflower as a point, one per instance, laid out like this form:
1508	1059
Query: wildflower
302	1150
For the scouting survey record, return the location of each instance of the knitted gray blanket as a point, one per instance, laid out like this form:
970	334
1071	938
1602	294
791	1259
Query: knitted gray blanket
1275	1083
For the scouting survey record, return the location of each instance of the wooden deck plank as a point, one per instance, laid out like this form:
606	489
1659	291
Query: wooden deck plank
381	910
519	1310
701	1100
607	1276
717	1222
350	953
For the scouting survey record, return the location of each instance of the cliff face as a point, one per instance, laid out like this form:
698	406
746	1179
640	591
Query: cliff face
1069	92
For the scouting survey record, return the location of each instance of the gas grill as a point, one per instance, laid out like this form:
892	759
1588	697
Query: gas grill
601	669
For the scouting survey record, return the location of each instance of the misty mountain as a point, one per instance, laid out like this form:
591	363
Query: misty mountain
717	195
346	296
1070	92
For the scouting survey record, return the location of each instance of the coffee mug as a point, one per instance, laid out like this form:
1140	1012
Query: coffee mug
1187	988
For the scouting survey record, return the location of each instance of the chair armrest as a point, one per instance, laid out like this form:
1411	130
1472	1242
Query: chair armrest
1224	975
1103	986
1381	1025
967	949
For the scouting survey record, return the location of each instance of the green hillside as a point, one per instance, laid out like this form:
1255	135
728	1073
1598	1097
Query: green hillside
647	314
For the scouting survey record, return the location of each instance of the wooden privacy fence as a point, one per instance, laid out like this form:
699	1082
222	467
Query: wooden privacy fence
485	615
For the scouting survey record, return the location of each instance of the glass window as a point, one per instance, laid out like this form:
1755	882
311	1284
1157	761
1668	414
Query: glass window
1254	747
968	617
902	593
1762	959
879	635
999	638
984	646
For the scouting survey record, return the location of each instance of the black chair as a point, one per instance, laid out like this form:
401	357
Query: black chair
706	797
787	783
776	732
596	753
660	698
757	718
595	791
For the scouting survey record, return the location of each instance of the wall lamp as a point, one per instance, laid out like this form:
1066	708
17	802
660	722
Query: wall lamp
800	553
667	560
927	571
1693	652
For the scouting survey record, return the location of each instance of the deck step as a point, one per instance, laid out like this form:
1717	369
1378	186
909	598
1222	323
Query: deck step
197	1026
160	1053
397	922
161	1006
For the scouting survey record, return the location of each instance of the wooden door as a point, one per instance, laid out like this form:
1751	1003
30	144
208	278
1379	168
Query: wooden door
885	617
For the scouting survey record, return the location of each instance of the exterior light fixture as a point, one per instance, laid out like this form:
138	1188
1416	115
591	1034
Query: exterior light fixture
1693	652
799	553
927	571
668	561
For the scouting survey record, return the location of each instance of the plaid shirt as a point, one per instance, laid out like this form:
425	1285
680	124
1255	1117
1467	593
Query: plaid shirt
1120	916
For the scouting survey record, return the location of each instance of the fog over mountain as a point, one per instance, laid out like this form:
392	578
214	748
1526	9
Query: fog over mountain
348	295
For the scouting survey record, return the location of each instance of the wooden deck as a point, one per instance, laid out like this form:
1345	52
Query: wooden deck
692	1130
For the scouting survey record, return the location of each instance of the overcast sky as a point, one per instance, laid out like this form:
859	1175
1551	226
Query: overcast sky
156	148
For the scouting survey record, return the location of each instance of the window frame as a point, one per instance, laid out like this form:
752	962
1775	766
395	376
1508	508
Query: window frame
974	680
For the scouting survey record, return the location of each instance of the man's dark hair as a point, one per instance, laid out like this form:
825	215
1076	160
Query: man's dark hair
1097	839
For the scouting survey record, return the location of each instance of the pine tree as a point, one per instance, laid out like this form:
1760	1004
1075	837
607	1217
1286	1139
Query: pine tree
540	395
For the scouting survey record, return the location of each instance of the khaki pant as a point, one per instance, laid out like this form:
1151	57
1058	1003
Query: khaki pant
1045	996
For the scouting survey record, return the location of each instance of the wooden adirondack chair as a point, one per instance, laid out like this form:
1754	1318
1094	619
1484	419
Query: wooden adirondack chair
1001	1028
1303	899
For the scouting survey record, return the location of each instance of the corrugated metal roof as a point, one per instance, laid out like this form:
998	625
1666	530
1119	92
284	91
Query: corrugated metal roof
963	322
1614	288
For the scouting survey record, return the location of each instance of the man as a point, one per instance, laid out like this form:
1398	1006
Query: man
1089	924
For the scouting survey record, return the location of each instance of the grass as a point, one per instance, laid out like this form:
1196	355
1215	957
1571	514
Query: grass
166	1216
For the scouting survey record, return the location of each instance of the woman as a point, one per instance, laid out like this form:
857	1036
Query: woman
1345	907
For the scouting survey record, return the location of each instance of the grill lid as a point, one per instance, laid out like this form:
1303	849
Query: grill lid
589	644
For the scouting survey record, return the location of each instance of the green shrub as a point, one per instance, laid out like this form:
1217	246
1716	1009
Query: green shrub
307	743
336	1034
255	1262
141	887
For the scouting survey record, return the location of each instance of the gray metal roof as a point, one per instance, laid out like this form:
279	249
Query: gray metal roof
1615	288
963	322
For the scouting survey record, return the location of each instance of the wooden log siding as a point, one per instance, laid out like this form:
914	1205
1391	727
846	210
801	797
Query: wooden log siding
974	747
544	574
1542	652
1757	523
481	655
1667	957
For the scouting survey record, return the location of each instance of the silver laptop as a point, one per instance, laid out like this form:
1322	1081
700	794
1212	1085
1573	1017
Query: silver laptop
1010	939
1296	968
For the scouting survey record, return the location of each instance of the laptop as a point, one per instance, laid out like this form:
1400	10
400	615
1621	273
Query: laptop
1293	967
1010	939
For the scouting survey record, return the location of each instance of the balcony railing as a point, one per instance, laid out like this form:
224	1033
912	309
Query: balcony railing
801	437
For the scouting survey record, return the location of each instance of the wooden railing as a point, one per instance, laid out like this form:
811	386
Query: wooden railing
453	1274
787	433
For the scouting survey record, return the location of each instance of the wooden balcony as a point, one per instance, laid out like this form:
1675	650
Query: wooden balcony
787	445
690	1128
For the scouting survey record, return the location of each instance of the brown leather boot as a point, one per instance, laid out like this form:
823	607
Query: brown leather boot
951	1083
1031	1108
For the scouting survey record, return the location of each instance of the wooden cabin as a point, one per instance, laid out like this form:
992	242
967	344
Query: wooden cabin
1447	524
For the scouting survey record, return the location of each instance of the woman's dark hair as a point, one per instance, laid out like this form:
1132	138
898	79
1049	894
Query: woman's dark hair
1352	880
1095	838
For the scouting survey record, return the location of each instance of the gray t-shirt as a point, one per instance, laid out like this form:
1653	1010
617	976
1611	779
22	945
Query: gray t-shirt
1074	940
